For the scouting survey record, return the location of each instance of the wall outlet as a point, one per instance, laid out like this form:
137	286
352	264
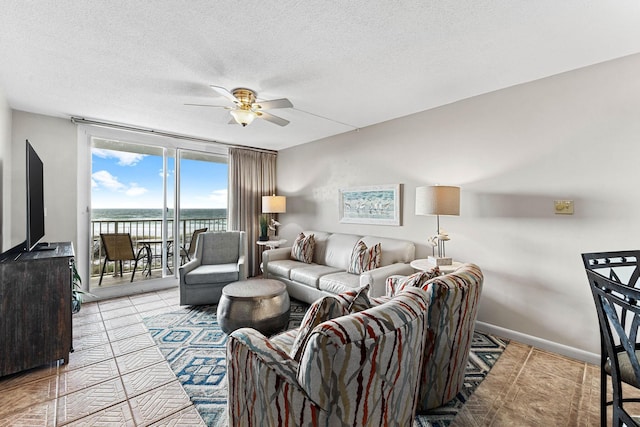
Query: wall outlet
563	207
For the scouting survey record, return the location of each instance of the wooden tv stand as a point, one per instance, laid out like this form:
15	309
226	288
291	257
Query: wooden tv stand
35	308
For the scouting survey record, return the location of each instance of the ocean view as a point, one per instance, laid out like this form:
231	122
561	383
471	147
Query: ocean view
137	214
147	223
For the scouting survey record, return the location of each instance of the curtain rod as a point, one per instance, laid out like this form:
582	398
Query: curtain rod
83	121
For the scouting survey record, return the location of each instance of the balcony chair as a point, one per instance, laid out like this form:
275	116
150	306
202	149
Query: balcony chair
119	247
219	259
187	253
356	369
613	277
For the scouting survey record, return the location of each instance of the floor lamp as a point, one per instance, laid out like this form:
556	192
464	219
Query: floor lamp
438	200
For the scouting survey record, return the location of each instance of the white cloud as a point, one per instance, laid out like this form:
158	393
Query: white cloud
104	179
124	158
134	190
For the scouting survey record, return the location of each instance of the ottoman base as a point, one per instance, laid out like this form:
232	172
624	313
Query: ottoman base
261	304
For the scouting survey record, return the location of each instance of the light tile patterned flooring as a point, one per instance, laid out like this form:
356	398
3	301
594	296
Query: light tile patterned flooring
118	377
115	377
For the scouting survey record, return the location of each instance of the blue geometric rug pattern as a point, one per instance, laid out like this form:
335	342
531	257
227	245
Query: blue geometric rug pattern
195	347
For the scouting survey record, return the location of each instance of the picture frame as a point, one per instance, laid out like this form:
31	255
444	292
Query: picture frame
377	204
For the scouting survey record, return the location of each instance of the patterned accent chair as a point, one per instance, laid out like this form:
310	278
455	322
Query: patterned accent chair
219	259
356	370
453	307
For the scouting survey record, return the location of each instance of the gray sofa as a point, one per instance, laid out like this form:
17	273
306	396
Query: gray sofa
327	275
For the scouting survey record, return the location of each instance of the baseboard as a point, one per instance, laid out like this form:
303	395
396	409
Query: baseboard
574	353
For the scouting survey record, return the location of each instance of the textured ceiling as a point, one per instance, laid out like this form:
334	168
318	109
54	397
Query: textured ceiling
343	64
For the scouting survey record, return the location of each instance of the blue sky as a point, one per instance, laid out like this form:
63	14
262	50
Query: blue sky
121	179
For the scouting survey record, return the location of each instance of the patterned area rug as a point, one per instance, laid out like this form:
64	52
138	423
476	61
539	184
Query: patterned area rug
195	347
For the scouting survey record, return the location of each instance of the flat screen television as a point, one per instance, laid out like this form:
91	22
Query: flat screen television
35	199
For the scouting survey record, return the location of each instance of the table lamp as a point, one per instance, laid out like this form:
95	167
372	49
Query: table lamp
438	200
273	205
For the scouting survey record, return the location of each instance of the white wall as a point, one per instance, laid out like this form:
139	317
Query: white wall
5	173
55	141
572	136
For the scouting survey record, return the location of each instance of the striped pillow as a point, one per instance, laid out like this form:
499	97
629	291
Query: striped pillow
363	258
326	308
375	254
302	249
397	283
355	300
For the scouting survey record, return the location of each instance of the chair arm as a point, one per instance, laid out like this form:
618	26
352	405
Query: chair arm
262	384
377	277
242	268
189	266
274	255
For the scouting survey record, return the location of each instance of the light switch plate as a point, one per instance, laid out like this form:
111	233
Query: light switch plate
563	207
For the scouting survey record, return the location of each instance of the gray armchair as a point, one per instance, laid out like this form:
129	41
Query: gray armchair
219	259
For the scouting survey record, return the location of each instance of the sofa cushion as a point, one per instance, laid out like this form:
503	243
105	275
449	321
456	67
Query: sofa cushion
339	282
310	274
283	267
392	250
338	250
302	249
326	308
319	250
215	273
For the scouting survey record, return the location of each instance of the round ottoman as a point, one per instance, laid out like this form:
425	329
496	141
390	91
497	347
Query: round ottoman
262	304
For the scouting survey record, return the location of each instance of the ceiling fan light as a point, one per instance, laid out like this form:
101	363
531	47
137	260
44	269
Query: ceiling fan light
243	117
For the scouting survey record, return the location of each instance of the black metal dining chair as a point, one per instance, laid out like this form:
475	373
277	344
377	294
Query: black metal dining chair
613	277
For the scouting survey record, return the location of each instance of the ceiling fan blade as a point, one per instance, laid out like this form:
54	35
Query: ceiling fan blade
273	119
276	103
210	105
224	92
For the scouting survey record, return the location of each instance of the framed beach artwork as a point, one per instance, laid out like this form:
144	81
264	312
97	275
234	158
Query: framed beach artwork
379	204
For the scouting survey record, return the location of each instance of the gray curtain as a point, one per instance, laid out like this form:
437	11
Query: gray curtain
252	174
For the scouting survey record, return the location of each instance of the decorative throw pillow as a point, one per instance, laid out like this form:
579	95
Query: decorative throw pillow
355	300
302	249
396	284
358	258
363	258
375	254
326	308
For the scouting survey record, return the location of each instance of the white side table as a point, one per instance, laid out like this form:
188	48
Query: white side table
425	264
271	244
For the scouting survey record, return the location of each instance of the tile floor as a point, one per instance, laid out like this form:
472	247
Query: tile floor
118	377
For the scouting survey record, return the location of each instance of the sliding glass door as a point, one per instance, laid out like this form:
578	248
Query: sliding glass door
147	209
132	200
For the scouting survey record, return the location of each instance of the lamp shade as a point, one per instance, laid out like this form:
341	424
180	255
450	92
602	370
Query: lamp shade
274	204
438	200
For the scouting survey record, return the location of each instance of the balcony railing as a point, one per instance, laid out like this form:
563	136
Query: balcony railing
147	229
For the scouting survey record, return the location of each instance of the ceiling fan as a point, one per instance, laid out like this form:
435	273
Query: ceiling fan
247	108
